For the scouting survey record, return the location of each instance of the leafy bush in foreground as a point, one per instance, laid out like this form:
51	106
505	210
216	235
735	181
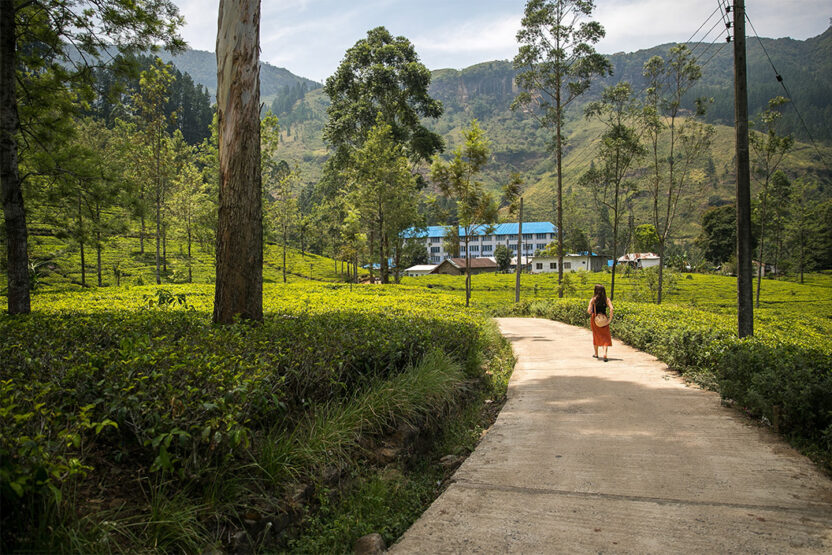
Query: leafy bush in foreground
784	377
162	389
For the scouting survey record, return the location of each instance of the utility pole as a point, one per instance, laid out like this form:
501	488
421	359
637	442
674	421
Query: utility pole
745	285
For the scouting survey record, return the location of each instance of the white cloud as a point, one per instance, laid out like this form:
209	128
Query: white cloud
636	24
309	37
200	29
486	36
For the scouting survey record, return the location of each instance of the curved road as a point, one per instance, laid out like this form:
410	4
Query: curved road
621	457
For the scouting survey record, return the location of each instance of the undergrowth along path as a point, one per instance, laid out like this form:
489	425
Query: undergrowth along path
622	456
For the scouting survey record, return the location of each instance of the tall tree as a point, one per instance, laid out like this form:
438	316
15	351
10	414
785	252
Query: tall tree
779	198
678	142
353	240
768	149
557	61
719	234
239	285
150	103
513	197
187	197
620	148
102	192
279	183
381	74
799	227
34	70
282	211
383	190
457	179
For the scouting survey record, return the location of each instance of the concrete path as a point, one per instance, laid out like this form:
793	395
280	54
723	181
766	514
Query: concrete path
621	457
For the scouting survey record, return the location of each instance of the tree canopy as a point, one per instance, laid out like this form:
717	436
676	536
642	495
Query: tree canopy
382	74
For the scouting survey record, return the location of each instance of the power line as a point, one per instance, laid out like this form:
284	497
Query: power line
707	35
714	55
788	95
718	7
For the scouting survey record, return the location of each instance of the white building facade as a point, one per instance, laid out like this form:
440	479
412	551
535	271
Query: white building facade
640	259
579	262
419	270
536	236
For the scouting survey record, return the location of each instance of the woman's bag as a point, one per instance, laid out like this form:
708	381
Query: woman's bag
602	320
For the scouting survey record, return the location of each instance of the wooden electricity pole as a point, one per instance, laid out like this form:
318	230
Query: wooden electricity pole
745	285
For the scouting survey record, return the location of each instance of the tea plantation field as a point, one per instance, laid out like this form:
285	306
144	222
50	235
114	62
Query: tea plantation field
128	422
55	266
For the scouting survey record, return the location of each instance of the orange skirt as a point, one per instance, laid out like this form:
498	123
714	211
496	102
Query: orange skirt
600	336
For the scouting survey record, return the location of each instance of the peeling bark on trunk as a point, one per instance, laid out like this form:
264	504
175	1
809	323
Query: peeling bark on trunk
239	285
10	186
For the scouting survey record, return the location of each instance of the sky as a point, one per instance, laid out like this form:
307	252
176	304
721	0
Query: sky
310	37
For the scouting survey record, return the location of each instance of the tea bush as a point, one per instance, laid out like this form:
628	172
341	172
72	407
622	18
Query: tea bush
90	379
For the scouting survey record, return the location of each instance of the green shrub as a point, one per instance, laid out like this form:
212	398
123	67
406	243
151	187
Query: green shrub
166	391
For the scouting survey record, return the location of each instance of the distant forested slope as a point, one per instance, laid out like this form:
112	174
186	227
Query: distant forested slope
202	66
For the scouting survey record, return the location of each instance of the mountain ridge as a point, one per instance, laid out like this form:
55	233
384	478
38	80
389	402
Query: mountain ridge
485	91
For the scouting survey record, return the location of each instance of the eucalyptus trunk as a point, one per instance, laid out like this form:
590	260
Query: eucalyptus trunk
760	263
143	229
560	190
284	255
190	261
98	257
372	244
164	249
616	219
13	210
158	236
519	255
467	271
81	241
239	282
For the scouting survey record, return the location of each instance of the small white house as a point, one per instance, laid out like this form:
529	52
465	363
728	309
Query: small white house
576	262
420	270
640	259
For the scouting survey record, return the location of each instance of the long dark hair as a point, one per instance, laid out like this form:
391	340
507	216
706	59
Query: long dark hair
600	299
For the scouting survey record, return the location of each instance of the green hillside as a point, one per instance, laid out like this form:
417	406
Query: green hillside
485	91
57	264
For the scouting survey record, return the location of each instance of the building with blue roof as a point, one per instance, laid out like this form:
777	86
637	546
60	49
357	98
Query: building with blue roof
484	239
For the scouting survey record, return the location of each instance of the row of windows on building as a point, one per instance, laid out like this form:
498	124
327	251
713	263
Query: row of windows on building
537	265
552	265
489	238
490	248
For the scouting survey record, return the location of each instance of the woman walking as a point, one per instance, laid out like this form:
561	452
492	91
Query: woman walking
600	321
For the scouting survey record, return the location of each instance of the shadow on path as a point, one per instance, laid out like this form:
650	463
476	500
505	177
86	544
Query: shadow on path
621	456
